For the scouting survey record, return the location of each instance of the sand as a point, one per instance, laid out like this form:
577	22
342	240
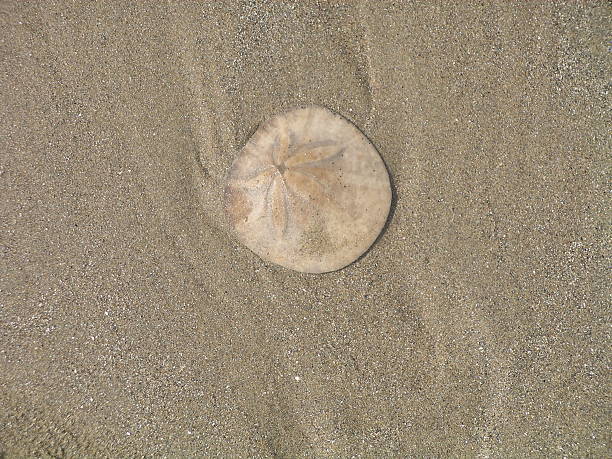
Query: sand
133	323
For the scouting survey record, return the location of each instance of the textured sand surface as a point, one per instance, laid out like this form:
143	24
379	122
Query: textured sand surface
132	322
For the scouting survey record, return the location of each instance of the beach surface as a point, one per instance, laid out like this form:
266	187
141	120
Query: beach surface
132	321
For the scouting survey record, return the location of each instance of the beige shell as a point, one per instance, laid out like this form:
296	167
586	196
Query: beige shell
308	191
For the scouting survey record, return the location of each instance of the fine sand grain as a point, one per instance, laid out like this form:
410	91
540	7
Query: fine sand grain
132	323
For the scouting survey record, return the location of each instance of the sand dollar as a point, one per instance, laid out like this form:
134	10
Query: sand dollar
308	191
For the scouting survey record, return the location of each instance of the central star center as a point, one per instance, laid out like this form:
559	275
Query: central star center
281	168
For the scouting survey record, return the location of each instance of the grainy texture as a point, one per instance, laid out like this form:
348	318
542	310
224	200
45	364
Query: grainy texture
308	191
131	323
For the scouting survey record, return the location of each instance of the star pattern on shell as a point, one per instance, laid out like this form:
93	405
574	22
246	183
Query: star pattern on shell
308	191
295	172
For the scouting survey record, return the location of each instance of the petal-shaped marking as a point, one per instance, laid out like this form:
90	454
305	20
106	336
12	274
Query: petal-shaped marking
325	176
254	156
262	207
282	148
259	178
304	147
278	206
318	154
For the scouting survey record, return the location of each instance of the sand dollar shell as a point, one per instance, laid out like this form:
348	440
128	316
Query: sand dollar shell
308	191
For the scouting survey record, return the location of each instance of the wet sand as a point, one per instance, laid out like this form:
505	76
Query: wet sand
133	323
